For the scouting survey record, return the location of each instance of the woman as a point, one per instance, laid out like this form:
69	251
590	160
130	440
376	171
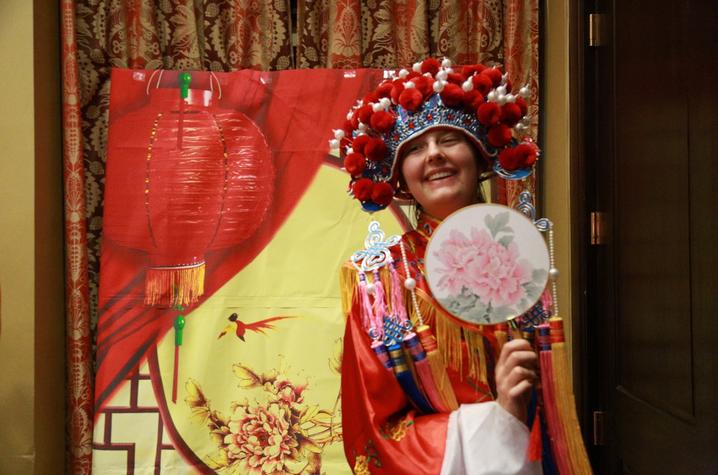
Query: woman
429	135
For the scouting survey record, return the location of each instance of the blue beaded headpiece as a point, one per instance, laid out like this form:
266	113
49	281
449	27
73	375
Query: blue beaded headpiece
473	99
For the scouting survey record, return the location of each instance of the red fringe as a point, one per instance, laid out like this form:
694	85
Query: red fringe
535	446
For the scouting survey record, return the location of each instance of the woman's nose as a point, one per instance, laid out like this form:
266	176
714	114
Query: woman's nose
433	151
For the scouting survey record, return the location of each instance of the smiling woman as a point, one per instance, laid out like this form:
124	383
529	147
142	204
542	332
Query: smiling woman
441	169
411	404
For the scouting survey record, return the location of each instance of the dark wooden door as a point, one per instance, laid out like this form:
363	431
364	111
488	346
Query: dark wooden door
652	301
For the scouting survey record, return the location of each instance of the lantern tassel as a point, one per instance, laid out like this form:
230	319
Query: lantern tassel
174	286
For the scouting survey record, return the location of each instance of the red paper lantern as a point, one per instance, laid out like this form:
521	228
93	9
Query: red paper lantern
183	180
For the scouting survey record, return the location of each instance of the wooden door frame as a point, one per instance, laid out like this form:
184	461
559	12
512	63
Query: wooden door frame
590	366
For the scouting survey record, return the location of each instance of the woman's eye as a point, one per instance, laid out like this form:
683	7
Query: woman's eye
413	149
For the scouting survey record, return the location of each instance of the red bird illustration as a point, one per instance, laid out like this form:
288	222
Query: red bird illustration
241	328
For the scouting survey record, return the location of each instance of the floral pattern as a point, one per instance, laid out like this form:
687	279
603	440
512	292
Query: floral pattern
281	434
362	463
483	273
396	428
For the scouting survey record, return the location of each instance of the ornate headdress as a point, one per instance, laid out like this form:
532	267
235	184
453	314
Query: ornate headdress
475	99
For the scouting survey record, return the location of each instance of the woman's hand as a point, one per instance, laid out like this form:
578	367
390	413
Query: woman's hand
515	376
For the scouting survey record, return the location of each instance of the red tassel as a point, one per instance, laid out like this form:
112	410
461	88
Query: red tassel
535	446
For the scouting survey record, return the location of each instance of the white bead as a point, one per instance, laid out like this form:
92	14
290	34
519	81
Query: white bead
446	63
338	134
416	67
501	90
350	150
376	107
491	96
370	288
362	127
442	75
501	99
510	98
524	92
385	102
409	284
403	73
439	86
350	114
409	85
333	144
467	85
553	273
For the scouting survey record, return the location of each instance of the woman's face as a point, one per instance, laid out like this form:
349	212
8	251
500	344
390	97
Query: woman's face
440	170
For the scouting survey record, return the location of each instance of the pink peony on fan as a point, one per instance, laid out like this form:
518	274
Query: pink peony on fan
487	264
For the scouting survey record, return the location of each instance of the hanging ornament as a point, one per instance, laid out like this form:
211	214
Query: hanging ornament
194	178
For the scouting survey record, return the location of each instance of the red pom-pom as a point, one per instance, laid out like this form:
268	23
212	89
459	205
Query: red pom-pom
382	193
425	85
430	65
382	121
384	89
396	89
521	102
371	97
510	114
452	95
472	100
470	69
364	113
509	160
482	84
375	149
412	74
488	114
355	163
527	153
348	129
499	135
354	121
494	74
359	142
411	99
456	78
362	189
516	158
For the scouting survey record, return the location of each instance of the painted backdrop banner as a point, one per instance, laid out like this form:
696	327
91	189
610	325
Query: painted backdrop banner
226	222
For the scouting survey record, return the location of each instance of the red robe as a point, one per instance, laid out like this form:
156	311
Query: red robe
382	432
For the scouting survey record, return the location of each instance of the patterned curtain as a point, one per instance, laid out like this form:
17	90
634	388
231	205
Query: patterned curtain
224	35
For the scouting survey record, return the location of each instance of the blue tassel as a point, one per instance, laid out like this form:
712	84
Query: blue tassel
406	380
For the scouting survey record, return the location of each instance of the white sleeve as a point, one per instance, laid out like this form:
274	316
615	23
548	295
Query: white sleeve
484	439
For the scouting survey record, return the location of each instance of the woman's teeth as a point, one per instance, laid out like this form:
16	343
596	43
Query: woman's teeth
439	176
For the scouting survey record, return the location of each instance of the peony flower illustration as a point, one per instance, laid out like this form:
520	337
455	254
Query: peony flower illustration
455	256
279	434
261	436
490	269
498	275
